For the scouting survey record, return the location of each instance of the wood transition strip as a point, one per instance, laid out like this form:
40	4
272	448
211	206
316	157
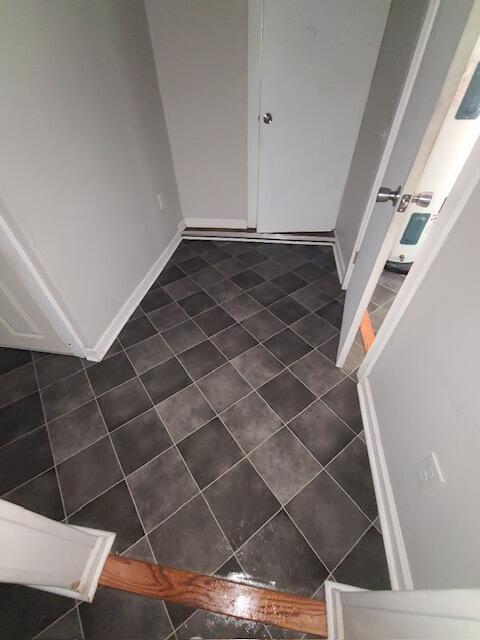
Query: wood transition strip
366	331
215	594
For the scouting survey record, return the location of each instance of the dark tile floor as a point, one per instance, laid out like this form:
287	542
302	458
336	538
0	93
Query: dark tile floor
216	435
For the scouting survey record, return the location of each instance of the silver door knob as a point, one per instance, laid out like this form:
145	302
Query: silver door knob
267	118
388	195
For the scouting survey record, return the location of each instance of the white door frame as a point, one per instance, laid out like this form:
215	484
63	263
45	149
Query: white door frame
397	559
254	84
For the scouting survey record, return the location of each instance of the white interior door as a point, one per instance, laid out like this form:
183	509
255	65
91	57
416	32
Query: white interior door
425	110
317	64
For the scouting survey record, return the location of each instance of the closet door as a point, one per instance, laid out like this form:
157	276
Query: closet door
317	64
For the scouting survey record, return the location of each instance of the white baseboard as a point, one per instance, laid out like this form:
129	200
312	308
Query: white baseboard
97	352
334	608
337	254
215	223
396	554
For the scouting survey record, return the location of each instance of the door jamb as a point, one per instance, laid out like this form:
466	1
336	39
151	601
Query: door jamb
254	83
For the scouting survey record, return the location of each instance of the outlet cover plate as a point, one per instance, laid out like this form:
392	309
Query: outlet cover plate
429	474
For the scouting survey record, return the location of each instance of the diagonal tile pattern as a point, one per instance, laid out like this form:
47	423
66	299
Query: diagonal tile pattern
216	434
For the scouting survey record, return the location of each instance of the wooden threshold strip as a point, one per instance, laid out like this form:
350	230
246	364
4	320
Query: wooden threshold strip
366	331
215	594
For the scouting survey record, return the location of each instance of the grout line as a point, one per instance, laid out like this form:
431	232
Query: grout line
64	615
23	435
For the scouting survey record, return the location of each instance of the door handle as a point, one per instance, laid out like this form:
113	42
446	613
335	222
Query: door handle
267	118
388	195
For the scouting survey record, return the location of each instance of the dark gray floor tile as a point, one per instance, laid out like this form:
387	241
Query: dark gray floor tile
257	365
87	474
201	359
196	303
214	320
314	330
354	358
161	487
223	387
124	403
351	469
185	412
24	612
236	248
194	265
183	336
183	252
241	502
253	257
181	288
263	325
270	269
288	310
136	331
377	317
204	624
274	249
231	570
287	346
216	255
140	551
377	524
112	511
392	280
16	384
165	379
317	372
138	313
206	277
366	565
55	367
332	312
309	271
115	347
278	555
137	442
327	261
168	316
223	291
289	282
200	246
118	615
286	395
267	293
67	394
76	430
331	285
381	295
285	464
231	267
290	259
242	306
321	432
41	495
20	417
343	400
155	299
13	358
311	297
24	458
234	341
149	353
251	421
191	539
66	628
328	518
171	273
247	279
209	452
110	373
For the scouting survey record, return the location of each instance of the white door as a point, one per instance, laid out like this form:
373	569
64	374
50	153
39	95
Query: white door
317	64
419	160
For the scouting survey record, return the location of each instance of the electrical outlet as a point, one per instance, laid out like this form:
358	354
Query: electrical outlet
429	474
160	201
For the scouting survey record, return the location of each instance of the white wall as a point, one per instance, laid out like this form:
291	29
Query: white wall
425	386
399	39
84	150
200	49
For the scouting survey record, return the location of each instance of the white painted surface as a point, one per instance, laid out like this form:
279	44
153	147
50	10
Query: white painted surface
45	554
200	49
380	123
255	28
85	151
433	405
409	615
216	223
318	60
438	41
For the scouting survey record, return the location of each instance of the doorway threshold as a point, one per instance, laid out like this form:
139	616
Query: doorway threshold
251	235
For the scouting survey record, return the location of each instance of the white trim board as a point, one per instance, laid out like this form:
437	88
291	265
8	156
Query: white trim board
397	560
253	236
334	607
254	83
97	352
215	223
